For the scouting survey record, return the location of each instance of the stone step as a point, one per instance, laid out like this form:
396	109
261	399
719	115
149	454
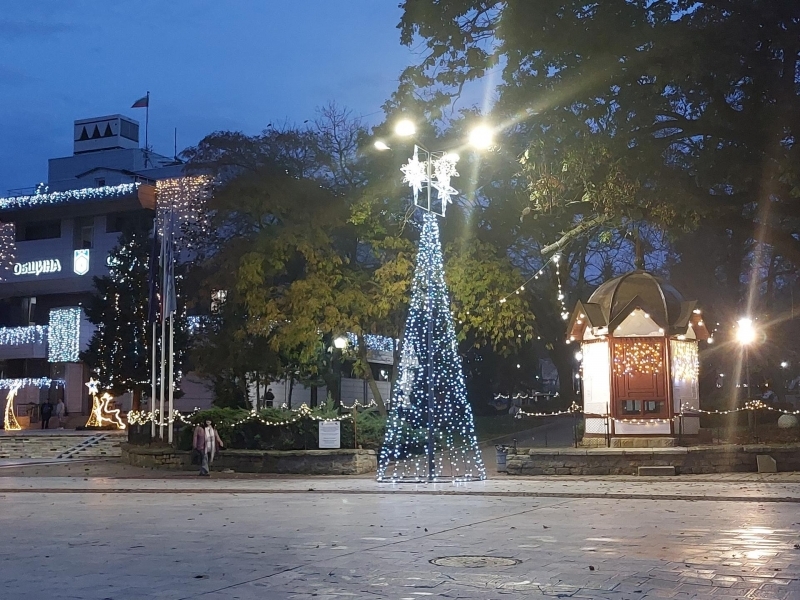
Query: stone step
663	471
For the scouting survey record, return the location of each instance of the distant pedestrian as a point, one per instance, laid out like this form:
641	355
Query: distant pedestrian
47	412
61	412
207	442
269	397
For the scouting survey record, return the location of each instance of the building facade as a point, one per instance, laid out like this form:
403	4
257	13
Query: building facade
53	240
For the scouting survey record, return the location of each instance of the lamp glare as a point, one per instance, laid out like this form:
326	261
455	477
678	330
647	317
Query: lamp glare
481	137
405	128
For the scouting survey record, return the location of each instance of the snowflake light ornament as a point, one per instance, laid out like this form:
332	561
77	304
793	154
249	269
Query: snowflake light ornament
435	172
415	173
443	169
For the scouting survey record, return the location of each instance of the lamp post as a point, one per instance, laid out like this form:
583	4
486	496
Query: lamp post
432	170
339	345
746	335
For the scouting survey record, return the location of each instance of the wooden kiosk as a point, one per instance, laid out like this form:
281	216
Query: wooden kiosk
639	341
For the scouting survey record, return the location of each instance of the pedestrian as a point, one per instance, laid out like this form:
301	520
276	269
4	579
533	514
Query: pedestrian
47	412
61	412
269	397
206	442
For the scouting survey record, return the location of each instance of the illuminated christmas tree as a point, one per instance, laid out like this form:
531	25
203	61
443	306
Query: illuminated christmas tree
120	348
430	433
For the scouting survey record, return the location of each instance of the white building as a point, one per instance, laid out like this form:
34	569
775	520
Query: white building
53	241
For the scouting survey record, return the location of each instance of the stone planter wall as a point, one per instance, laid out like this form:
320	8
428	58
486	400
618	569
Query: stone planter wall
303	462
624	461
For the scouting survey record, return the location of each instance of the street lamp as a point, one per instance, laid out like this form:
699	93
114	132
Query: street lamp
405	128
746	335
381	145
340	343
481	137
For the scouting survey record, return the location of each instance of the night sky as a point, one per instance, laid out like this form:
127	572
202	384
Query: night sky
208	64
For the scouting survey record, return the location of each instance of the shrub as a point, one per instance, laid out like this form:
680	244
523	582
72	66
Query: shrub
282	429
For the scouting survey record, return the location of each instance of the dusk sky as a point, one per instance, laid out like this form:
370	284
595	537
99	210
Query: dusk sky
209	65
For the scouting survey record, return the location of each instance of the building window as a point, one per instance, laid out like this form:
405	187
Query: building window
99	181
117	222
631	407
38	230
84	233
649	409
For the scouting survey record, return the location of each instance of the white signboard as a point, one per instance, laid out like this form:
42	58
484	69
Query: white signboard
80	262
37	267
330	434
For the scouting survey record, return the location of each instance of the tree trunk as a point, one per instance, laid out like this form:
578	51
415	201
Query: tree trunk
136	403
291	389
373	386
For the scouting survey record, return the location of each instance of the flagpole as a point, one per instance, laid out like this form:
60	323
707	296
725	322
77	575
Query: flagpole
153	383
147	130
164	274
171	376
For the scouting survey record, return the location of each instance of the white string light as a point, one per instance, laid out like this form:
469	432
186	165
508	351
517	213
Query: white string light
17	336
63	344
10	422
50	198
430	369
38	382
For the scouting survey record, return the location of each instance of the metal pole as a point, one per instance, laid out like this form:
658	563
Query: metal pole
146	130
355	426
153	382
163	380
431	449
171	376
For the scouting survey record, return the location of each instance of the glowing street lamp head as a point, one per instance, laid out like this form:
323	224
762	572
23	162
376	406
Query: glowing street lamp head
481	137
405	128
746	333
381	145
340	343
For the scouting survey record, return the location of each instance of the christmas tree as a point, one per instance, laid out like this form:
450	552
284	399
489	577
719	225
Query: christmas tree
430	433
120	348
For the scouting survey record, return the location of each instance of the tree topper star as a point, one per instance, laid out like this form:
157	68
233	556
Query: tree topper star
92	385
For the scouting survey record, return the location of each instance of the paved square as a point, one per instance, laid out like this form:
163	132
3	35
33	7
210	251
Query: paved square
272	544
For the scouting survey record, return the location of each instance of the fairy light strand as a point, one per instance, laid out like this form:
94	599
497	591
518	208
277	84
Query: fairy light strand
430	368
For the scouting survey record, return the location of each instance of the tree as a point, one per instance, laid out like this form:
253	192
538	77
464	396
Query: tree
317	239
119	351
697	101
430	411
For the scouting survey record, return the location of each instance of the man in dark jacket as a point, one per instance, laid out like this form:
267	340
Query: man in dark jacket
47	412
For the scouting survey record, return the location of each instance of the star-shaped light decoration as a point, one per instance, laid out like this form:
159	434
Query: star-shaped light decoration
92	385
443	169
415	173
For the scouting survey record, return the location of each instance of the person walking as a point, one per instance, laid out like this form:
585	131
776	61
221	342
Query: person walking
61	412
269	397
206	441
47	412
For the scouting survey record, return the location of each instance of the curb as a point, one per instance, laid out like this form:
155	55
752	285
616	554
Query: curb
569	495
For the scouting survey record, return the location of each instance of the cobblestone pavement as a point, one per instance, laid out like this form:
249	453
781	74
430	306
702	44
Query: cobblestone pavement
275	539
